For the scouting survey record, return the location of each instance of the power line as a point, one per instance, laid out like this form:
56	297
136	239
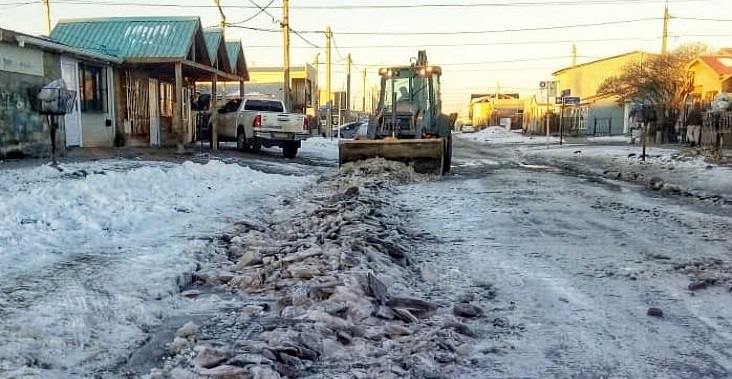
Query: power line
261	10
495	43
276	20
335	45
701	19
532	29
376	7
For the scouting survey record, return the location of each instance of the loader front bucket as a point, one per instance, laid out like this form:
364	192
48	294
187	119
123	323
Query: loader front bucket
425	155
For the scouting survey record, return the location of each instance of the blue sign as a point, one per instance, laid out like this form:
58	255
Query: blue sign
572	100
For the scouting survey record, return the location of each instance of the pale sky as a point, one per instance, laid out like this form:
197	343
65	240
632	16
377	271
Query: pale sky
482	45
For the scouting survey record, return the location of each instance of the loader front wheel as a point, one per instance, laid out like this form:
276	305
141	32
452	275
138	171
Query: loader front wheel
447	158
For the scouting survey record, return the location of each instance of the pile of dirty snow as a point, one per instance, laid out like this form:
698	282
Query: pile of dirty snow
334	291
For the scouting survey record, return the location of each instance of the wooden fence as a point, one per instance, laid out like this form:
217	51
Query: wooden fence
717	130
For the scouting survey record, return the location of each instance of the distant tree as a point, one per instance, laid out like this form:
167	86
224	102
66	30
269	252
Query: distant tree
661	81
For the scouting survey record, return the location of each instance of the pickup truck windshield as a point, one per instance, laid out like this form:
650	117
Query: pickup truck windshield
264	106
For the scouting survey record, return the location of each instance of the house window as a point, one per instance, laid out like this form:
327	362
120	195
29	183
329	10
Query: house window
92	89
166	99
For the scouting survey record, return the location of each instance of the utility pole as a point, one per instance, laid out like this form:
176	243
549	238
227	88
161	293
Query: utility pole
348	87
316	90
47	9
286	40
328	36
664	39
363	106
222	24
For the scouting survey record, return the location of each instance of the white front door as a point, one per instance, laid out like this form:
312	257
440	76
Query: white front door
154	113
72	121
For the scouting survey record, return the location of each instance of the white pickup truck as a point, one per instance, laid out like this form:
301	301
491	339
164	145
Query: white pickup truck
257	122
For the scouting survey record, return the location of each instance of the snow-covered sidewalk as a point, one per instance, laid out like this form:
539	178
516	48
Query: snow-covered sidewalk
672	168
92	255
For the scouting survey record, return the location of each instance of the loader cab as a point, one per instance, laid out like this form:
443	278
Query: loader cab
409	103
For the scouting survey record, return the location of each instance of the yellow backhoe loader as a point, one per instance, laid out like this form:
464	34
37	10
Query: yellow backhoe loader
408	125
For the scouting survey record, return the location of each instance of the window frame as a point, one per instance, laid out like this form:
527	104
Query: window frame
93	89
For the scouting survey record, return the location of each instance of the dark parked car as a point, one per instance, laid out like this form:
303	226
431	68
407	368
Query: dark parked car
347	130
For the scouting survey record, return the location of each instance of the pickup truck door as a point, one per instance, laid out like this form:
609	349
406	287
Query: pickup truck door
227	118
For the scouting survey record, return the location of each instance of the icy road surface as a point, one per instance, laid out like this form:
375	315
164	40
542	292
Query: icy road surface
580	260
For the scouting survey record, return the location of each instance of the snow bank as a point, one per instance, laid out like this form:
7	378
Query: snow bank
498	134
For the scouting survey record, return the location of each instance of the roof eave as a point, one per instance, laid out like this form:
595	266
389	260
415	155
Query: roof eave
61	48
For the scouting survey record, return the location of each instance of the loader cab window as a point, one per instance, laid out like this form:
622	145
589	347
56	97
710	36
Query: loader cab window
399	91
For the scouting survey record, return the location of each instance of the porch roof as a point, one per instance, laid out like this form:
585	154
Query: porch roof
151	42
165	69
133	37
50	45
237	61
214	37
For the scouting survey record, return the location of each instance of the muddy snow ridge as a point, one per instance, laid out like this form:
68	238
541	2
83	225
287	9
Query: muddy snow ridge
333	290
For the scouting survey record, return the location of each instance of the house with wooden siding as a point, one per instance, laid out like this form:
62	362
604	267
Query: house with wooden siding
27	63
161	60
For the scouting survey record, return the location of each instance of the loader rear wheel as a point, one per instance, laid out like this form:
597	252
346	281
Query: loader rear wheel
447	157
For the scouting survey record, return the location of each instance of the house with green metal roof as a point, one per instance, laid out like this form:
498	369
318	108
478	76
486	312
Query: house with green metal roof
238	63
161	57
217	49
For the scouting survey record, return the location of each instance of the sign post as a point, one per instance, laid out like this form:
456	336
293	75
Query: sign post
550	87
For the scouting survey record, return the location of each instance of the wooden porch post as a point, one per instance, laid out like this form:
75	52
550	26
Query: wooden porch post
241	88
178	130
214	115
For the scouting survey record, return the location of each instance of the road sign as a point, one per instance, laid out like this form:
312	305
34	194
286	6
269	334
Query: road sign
572	100
567	100
566	92
542	84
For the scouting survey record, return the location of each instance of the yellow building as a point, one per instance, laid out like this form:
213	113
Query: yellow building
268	81
491	110
711	74
595	114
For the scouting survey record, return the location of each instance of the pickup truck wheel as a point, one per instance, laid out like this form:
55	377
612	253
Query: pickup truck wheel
241	140
255	144
289	150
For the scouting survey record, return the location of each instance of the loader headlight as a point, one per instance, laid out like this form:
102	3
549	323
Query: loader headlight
386	72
